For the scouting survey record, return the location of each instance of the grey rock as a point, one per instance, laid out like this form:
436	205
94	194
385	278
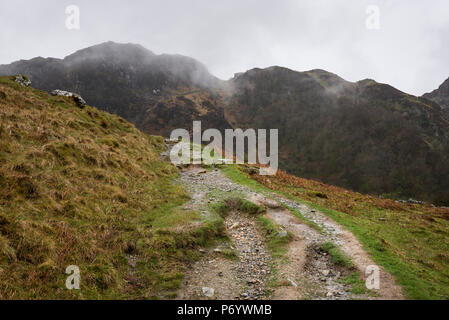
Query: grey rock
22	80
208	292
76	97
325	272
293	283
282	234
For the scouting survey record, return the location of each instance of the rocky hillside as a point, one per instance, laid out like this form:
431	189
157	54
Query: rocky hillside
365	136
440	95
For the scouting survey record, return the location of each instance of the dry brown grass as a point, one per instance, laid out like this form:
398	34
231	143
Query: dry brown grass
86	188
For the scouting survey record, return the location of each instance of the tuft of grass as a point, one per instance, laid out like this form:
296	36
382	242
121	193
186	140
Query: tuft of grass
229	254
234	173
338	257
356	283
237	204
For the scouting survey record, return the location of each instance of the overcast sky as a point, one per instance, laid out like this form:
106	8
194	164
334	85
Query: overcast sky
410	50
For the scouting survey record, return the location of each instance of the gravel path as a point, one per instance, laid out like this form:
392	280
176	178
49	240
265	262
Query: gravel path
306	273
242	278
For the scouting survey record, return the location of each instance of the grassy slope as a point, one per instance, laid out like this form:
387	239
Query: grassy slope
411	241
86	188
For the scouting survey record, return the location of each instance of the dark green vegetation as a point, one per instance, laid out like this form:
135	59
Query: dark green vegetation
276	244
86	188
363	136
411	241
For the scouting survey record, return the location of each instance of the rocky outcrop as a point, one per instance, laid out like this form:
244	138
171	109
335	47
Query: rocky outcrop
76	97
22	80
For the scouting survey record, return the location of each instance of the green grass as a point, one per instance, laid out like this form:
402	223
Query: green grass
419	281
277	245
237	204
356	283
409	241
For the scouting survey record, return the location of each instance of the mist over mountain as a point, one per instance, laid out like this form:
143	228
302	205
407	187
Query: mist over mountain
366	136
128	80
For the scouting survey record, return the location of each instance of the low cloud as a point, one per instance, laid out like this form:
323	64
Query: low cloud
408	51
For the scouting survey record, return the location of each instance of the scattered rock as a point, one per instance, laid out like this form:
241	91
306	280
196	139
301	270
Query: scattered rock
250	170
414	201
76	97
293	283
325	272
208	292
22	80
282	234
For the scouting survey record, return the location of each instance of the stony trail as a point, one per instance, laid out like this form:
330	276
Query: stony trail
306	271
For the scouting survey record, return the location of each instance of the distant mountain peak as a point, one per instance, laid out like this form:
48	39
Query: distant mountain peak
111	51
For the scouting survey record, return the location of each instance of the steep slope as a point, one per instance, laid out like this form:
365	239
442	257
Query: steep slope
83	187
365	136
440	95
132	82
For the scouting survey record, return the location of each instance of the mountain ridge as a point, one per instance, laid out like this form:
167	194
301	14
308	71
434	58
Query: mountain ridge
364	136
